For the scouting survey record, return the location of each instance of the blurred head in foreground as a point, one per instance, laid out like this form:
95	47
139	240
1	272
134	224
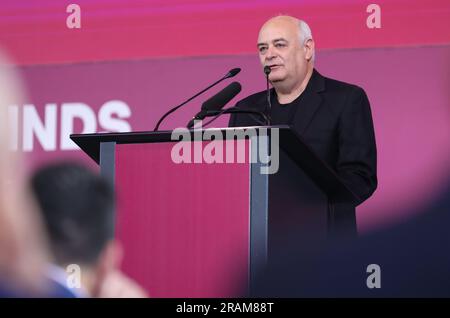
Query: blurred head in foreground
78	209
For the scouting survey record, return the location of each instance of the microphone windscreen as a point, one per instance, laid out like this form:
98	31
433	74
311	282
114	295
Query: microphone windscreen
267	70
219	100
233	72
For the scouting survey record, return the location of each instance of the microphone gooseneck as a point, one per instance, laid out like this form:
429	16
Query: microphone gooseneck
267	71
237	110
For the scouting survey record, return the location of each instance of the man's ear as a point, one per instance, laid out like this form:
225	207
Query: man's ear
309	49
109	261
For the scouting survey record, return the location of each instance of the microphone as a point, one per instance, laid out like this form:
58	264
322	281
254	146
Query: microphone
231	73
216	102
267	71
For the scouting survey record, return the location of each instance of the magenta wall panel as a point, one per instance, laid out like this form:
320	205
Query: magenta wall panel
35	32
185	227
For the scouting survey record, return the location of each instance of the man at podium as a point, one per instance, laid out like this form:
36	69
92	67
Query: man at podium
332	117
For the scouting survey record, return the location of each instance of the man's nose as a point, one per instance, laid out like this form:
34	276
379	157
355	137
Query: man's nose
271	54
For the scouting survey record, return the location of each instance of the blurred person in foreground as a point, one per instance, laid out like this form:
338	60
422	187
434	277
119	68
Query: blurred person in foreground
78	210
23	249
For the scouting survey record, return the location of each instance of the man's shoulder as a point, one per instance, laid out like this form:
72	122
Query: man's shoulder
340	95
334	86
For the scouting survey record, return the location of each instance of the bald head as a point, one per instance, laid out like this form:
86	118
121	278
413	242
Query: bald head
286	22
295	26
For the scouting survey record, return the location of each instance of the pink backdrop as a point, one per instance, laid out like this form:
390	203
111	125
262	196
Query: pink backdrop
35	32
151	55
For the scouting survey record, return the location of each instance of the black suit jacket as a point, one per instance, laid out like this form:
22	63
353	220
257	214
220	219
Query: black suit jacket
335	120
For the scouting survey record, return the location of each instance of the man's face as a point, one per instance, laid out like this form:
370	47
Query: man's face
280	48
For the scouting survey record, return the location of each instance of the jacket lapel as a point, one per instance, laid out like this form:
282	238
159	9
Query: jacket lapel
310	102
